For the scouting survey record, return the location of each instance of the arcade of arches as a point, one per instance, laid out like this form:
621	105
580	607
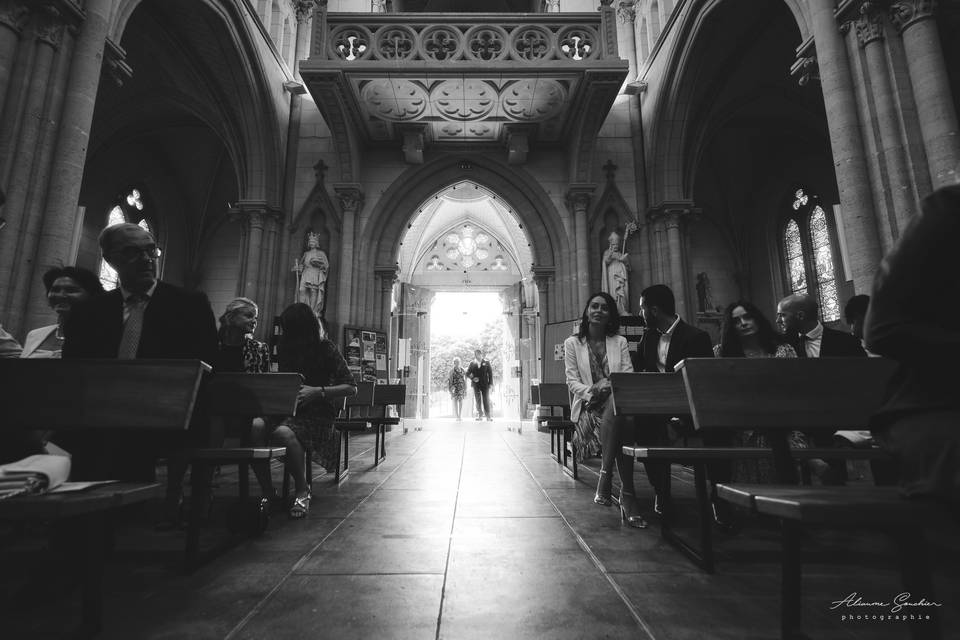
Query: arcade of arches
748	148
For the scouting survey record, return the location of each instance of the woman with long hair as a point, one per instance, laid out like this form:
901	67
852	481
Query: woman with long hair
326	377
590	356
457	385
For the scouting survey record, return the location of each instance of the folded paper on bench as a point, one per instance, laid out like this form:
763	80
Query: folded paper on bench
33	474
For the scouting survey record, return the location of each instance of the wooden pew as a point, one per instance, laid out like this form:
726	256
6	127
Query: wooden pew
385	395
243	396
356	410
116	395
827	393
556	395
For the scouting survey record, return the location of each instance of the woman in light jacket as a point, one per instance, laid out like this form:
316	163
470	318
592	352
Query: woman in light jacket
590	357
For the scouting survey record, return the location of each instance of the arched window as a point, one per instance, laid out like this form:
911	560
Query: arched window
807	242
129	208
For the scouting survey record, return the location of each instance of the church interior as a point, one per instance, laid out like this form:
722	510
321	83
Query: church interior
367	158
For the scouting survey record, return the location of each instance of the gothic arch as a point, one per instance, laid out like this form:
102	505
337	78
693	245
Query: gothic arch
675	140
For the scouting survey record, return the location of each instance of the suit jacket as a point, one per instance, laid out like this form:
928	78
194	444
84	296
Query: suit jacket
576	361
835	344
34	339
686	342
177	324
483	373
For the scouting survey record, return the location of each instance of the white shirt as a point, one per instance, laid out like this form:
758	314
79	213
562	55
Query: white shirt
814	338
663	347
126	304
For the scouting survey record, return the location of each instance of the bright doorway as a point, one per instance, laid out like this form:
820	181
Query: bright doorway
461	322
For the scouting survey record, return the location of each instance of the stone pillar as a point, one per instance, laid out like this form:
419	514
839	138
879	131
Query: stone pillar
870	26
853	179
626	33
578	199
669	223
12	16
542	276
18	242
350	198
252	215
931	87
387	276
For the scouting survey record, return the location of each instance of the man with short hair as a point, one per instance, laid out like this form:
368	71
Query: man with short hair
666	341
799	319
481	373
142	318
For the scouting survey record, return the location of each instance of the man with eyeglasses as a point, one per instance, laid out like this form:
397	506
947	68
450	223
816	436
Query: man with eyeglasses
142	318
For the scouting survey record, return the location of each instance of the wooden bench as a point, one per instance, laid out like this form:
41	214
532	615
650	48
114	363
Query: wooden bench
384	396
116	395
820	393
356	410
556	396
240	396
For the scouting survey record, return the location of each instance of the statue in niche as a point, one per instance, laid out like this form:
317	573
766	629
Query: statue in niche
312	269
615	271
704	295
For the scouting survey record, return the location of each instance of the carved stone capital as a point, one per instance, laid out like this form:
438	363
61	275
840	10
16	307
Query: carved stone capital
904	13
349	196
626	12
49	27
303	9
543	276
869	23
805	70
578	197
252	214
115	62
378	6
672	214
13	15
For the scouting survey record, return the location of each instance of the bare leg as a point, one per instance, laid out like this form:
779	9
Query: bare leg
609	446
284	437
258	437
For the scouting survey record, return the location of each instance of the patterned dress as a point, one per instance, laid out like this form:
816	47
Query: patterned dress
313	424
250	356
457	384
586	434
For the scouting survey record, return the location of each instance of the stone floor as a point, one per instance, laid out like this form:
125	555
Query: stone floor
466	530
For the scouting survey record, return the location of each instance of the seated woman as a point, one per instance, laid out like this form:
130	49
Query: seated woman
66	287
746	333
326	377
590	357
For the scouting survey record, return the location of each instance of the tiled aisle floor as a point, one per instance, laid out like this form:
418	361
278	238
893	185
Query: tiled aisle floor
472	530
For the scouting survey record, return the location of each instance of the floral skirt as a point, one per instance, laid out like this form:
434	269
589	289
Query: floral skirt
586	434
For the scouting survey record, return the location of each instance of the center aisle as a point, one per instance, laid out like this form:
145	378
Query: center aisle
455	535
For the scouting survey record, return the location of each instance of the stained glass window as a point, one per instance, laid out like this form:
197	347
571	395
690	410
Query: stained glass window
128	210
808	254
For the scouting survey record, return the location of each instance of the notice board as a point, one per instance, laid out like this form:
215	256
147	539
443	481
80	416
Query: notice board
365	351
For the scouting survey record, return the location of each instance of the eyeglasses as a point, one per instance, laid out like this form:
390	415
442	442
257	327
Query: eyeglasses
129	254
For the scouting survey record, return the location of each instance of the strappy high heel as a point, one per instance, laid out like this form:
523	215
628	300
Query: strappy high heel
602	496
636	521
300	507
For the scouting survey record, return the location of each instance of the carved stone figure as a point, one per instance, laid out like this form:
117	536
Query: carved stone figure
312	269
704	295
615	268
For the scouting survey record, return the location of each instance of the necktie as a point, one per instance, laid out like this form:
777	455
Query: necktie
802	345
133	328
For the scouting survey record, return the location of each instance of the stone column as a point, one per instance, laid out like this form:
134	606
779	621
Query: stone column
18	241
678	278
869	26
626	33
931	87
387	276
853	180
350	198
578	199
542	276
252	215
12	16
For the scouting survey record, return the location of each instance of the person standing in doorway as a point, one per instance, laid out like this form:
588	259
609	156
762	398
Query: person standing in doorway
481	374
457	386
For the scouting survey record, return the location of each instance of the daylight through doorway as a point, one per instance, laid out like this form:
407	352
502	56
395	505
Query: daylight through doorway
462	322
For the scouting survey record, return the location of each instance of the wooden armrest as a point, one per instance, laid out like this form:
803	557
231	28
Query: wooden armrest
237	454
696	453
351	425
52	506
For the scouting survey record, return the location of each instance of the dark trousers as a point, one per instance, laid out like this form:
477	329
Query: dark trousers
482	399
651	431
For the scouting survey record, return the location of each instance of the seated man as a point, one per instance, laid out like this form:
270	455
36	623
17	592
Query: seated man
142	318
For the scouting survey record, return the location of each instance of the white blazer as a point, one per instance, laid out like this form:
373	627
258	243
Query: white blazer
576	360
34	339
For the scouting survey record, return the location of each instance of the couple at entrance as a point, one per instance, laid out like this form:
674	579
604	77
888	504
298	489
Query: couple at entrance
480	373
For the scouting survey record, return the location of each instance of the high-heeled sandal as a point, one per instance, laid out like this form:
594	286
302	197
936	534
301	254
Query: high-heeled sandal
602	496
300	507
636	521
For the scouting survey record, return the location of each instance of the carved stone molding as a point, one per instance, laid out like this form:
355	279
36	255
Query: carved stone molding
252	213
13	15
543	276
349	196
303	9
578	198
49	27
805	70
388	275
626	12
869	23
115	62
673	214
904	13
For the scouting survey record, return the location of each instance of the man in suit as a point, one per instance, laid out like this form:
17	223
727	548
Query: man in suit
142	318
799	319
481	374
666	341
